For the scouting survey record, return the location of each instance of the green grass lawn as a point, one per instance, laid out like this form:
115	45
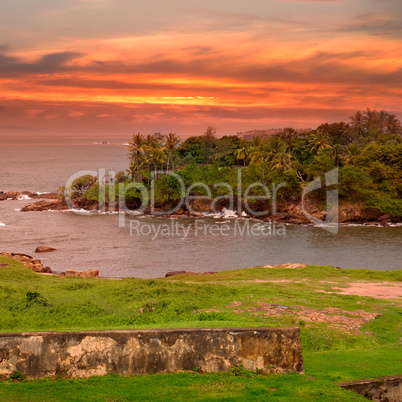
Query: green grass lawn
31	302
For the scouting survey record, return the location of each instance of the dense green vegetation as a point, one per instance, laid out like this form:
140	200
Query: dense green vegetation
33	302
367	151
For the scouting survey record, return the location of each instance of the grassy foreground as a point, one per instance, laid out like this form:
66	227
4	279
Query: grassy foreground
332	351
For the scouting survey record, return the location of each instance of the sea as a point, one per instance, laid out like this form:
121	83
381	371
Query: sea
146	247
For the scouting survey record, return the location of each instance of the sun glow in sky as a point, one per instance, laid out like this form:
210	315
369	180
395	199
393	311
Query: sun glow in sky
117	67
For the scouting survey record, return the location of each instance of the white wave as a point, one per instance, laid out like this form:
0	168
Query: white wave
23	197
228	213
2	224
80	211
105	212
45	192
326	225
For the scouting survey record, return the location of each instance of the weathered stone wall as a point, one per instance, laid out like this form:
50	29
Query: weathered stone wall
83	354
386	389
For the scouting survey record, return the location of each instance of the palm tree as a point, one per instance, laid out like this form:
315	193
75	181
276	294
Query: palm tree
157	155
281	162
243	152
393	124
371	119
319	141
353	153
172	140
275	145
258	154
136	151
357	123
149	142
338	153
382	120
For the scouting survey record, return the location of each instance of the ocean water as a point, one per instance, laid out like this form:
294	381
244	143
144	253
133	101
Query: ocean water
139	246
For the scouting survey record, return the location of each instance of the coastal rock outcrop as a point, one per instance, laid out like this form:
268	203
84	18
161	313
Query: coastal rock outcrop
28	261
89	273
44	205
289	265
26	195
173	273
44	249
285	212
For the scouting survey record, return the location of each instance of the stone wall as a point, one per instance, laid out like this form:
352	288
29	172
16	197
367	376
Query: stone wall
83	354
386	389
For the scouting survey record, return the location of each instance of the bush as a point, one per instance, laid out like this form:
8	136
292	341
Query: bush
320	165
354	183
82	184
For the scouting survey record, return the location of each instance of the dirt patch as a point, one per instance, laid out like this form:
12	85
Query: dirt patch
271	281
234	304
291	266
382	290
349	321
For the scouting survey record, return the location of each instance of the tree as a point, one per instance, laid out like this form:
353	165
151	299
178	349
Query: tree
149	142
319	141
172	141
281	161
353	154
320	165
371	120
258	154
136	151
208	143
338	153
393	124
289	135
157	155
354	183
357	125
243	152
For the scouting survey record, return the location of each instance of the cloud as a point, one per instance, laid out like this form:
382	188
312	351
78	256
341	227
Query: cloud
49	63
373	24
34	112
76	114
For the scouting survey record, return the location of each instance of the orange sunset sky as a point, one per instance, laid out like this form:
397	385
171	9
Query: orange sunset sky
111	68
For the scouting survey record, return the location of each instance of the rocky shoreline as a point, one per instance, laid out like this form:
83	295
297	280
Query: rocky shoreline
287	213
36	265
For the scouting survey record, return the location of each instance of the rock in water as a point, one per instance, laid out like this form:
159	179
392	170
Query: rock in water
90	273
44	249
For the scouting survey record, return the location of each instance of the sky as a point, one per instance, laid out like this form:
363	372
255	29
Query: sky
112	68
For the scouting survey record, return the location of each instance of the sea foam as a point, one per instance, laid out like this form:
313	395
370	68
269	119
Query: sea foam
23	197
